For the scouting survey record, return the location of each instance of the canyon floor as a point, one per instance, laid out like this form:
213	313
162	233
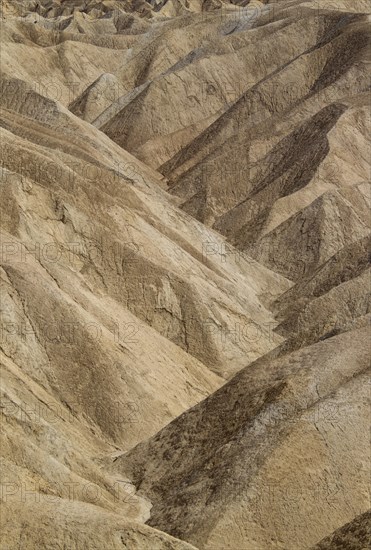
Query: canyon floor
185	277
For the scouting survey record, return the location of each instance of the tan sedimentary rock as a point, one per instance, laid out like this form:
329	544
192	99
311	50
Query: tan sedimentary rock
184	274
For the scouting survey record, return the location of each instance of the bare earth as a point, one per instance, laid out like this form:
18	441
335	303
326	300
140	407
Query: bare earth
185	280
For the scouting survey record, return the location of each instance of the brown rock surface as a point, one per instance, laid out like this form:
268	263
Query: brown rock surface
261	457
355	535
184	274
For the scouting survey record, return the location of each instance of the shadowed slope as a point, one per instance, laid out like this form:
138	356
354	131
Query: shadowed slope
220	475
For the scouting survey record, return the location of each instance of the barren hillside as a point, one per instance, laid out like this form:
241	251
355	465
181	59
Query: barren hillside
185	281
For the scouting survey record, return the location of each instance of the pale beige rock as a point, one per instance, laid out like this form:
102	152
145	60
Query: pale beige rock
185	215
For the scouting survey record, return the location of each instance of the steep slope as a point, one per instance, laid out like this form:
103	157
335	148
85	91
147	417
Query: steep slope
81	376
185	298
274	459
263	140
174	297
332	300
263	172
116	309
356	535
